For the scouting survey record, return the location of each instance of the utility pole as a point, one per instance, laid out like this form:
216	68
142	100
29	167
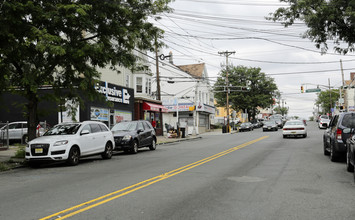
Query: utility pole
227	54
330	97
157	68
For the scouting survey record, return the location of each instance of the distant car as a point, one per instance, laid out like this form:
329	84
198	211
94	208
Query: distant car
131	135
323	121
246	126
337	138
294	128
270	126
70	141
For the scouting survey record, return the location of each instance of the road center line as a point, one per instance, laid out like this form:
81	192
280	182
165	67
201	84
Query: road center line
119	193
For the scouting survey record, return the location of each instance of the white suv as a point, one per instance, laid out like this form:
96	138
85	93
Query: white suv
70	141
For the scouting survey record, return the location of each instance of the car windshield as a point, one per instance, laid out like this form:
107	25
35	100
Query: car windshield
63	129
125	126
294	123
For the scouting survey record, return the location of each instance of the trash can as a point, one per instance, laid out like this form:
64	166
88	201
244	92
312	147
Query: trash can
224	128
182	132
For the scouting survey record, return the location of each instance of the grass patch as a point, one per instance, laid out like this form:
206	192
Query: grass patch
20	153
4	166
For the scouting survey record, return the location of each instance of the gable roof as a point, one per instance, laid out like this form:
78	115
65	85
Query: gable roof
195	70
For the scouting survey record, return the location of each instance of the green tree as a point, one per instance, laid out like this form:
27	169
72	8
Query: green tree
327	99
61	44
249	89
281	110
326	20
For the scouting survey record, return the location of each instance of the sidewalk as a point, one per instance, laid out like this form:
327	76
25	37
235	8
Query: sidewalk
6	154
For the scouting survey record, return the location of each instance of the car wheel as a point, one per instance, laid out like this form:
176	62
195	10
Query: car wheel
326	153
134	149
305	135
349	166
74	155
107	154
153	146
333	155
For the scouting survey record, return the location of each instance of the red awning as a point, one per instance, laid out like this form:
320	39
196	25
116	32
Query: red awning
154	107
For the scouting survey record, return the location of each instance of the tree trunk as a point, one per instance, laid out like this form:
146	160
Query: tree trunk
32	117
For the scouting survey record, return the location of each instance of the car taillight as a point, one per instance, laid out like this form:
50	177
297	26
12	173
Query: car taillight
339	134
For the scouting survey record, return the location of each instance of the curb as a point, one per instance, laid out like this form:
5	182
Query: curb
179	140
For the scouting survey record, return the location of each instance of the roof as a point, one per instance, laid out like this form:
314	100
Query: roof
195	70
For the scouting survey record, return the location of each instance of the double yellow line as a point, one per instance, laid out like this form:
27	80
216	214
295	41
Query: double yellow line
119	193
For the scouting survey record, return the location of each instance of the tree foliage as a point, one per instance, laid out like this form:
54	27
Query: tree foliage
327	99
326	19
260	93
61	43
281	110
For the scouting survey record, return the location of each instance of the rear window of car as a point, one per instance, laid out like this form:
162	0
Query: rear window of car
103	128
348	121
95	128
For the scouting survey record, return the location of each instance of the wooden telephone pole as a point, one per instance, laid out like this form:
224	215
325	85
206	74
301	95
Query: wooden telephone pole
227	54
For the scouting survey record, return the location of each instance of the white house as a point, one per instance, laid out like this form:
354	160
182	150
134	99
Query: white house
187	94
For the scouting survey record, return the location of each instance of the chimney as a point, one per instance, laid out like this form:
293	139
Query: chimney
171	58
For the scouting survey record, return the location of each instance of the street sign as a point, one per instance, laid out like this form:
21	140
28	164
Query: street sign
312	90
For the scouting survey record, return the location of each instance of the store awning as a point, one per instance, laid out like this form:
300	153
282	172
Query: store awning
154	107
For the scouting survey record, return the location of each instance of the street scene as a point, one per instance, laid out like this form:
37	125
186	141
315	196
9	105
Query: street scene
245	175
177	109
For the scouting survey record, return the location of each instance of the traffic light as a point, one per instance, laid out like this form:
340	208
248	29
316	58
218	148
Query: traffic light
302	90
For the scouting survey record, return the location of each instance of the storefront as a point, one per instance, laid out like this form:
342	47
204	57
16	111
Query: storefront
119	108
152	111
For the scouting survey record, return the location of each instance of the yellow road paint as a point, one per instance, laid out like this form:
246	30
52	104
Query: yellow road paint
119	193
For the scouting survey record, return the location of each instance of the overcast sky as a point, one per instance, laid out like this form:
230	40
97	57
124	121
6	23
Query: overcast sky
198	29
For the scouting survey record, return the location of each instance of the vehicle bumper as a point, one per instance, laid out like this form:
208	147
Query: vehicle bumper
294	133
47	154
339	146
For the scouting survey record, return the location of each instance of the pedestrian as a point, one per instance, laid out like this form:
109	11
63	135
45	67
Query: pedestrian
154	124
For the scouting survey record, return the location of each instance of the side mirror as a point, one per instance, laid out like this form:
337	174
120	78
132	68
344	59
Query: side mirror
139	131
84	132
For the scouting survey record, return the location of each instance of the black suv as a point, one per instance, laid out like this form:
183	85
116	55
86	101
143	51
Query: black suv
336	146
131	135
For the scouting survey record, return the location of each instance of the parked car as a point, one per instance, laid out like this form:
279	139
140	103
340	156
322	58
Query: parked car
71	141
270	126
326	140
324	119
18	131
246	126
294	128
337	138
350	150
129	136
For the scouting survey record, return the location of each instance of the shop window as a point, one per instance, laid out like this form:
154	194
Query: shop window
202	120
139	85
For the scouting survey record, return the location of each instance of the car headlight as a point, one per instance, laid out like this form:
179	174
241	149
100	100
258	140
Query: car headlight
58	143
126	137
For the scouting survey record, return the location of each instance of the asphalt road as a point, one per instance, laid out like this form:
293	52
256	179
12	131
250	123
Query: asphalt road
248	175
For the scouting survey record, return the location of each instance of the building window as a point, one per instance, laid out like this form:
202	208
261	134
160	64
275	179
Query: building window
199	96
148	86
127	80
139	85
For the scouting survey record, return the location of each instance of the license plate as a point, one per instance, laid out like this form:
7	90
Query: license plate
39	150
293	132
269	128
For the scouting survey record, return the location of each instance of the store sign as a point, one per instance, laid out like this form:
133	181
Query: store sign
100	114
182	107
205	108
114	93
